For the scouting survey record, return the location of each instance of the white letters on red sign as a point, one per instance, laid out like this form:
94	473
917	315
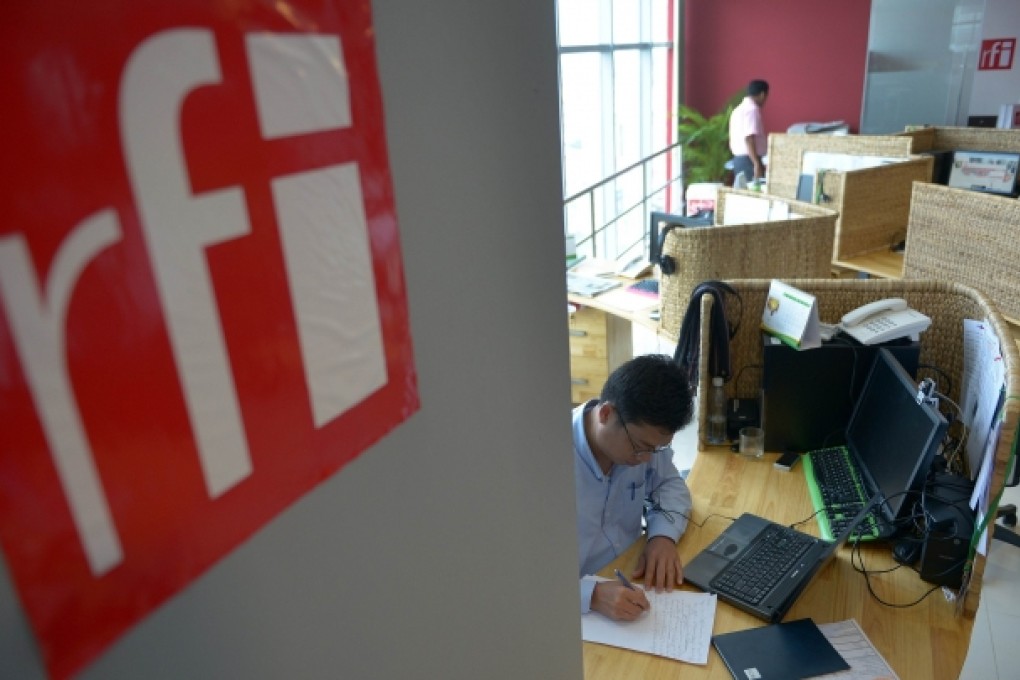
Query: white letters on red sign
238	403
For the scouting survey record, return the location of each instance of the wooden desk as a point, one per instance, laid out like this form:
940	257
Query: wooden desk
924	641
885	264
604	302
601	332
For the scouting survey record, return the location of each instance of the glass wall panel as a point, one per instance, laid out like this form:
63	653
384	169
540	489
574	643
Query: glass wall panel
920	57
616	115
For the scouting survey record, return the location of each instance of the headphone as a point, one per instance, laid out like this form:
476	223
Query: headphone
666	262
719	336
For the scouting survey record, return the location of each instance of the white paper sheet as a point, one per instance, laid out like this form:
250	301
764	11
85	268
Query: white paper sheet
983	378
858	651
628	300
746	210
678	626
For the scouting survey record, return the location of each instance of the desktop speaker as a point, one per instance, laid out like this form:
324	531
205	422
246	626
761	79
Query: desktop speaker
808	396
949	524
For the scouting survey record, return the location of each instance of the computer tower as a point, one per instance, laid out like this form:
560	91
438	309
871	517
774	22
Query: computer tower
808	395
949	524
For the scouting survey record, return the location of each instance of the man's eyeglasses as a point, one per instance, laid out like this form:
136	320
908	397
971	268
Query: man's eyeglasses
646	451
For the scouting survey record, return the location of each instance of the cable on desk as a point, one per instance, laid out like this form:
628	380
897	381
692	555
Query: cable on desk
856	550
668	514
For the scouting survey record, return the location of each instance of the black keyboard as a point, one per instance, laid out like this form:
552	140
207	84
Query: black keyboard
645	286
758	570
841	485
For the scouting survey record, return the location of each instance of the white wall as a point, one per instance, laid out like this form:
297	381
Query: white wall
991	89
448	549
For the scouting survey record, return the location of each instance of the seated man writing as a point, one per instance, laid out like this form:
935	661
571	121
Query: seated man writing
623	459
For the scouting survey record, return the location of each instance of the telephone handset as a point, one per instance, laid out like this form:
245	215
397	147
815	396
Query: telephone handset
633	268
883	320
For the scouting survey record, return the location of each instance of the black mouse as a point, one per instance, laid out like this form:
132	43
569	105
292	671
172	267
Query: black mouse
906	552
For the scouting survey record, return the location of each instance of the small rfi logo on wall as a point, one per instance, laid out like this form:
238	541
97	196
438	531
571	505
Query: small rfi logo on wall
997	54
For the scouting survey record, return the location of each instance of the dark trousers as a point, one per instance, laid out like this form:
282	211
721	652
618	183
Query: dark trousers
743	164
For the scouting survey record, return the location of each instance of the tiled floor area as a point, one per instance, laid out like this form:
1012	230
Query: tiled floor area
994	649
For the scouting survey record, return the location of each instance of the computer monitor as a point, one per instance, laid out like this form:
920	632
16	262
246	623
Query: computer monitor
895	433
992	172
658	221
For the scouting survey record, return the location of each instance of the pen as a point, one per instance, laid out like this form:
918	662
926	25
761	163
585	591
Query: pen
623	580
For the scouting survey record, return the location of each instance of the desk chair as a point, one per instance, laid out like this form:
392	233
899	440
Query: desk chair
1007	533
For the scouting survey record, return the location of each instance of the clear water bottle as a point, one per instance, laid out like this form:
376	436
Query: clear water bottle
740	181
717	412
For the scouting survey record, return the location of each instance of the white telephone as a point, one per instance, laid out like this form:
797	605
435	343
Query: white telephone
884	320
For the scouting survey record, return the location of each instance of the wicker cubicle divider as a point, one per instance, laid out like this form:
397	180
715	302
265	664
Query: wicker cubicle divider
962	139
786	154
967	237
798	246
873	205
948	304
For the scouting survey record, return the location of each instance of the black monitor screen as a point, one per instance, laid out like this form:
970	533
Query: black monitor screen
659	221
895	437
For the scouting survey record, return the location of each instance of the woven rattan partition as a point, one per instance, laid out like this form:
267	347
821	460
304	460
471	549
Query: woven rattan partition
967	237
798	246
786	154
873	205
963	138
948	304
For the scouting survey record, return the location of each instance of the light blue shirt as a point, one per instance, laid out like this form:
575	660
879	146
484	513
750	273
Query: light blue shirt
609	506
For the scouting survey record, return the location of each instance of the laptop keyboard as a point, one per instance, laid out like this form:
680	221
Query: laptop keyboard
759	569
841	485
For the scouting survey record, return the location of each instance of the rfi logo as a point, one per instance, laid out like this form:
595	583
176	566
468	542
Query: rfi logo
997	54
202	303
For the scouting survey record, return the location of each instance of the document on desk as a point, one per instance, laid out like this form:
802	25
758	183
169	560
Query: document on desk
983	378
628	301
678	626
858	651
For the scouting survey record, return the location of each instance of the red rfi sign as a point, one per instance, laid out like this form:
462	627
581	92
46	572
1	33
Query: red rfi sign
997	54
202	304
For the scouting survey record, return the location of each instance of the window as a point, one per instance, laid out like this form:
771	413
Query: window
617	105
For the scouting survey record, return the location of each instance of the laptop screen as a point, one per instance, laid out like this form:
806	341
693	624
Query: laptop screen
894	436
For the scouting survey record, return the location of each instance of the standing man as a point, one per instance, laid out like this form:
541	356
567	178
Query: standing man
748	141
623	462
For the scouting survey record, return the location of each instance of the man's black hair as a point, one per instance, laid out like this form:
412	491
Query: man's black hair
651	389
756	87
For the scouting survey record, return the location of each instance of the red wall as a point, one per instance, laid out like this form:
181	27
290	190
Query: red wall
812	53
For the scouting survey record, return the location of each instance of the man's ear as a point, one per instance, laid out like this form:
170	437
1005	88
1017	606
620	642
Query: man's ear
604	411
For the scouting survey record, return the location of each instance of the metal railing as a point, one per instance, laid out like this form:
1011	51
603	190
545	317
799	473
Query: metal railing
609	219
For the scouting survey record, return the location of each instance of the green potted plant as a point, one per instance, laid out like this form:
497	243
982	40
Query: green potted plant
706	142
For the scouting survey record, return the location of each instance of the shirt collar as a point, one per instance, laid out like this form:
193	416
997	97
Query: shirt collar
581	448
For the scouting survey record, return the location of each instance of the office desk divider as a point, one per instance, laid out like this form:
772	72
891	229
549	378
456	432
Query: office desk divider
799	245
939	138
967	237
786	154
873	205
948	304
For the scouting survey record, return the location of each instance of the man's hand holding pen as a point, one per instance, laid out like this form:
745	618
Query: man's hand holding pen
619	600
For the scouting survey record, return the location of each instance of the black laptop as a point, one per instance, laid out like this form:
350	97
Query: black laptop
761	566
